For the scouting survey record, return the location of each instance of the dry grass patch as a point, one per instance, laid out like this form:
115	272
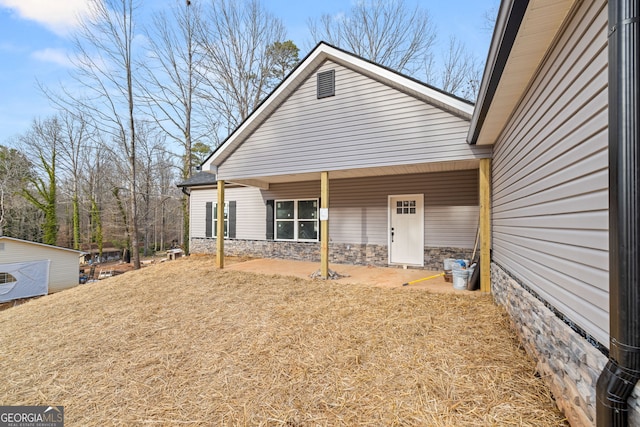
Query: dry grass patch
183	343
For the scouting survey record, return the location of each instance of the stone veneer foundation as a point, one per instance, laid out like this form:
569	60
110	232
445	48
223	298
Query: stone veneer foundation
567	358
340	253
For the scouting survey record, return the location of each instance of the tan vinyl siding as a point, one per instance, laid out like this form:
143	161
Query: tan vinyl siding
550	198
64	269
359	207
365	124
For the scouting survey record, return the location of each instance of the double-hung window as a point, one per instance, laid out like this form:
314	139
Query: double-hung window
297	220
226	219
211	219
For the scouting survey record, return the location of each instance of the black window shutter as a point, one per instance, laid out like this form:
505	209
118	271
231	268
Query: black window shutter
208	220
232	219
270	205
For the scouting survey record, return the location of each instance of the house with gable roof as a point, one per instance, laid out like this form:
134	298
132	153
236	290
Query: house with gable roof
545	167
379	156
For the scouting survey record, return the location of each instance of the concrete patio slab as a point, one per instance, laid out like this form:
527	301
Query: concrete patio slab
387	277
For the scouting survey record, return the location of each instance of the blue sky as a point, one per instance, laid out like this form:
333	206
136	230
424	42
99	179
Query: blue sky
34	43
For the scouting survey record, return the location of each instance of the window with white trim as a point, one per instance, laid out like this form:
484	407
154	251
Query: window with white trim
296	220
226	219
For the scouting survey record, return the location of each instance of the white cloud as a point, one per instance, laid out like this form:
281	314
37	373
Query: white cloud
56	56
59	16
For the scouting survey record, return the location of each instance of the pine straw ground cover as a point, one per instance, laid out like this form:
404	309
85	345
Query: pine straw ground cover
182	343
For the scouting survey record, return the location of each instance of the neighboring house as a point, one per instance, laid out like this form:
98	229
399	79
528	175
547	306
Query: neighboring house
29	269
400	183
555	91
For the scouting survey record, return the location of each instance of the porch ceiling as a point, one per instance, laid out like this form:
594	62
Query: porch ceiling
263	181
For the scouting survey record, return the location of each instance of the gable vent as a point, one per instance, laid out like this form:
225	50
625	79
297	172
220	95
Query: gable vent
326	84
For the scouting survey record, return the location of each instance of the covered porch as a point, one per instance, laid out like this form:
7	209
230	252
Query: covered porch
383	156
332	210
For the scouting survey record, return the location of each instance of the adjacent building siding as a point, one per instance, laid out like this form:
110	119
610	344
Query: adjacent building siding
359	207
366	123
550	199
64	270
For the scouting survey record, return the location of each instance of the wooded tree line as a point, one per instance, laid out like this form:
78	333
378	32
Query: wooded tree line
64	186
145	103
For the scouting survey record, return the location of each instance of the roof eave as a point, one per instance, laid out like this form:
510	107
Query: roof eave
524	32
43	245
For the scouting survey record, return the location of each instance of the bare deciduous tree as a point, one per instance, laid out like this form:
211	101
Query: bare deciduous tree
490	16
74	128
391	34
95	190
171	85
150	145
235	37
104	70
460	71
384	31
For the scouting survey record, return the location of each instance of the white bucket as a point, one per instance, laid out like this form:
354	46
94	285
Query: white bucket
448	263
460	278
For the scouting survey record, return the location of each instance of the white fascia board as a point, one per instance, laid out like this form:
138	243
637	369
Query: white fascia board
412	86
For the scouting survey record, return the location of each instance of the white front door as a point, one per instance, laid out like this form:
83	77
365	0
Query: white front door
406	229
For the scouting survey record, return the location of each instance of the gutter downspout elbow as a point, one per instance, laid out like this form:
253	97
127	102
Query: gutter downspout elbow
622	372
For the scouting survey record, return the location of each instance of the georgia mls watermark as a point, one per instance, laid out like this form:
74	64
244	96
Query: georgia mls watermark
31	416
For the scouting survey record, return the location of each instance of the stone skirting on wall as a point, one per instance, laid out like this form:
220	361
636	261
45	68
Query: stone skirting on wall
339	253
568	362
